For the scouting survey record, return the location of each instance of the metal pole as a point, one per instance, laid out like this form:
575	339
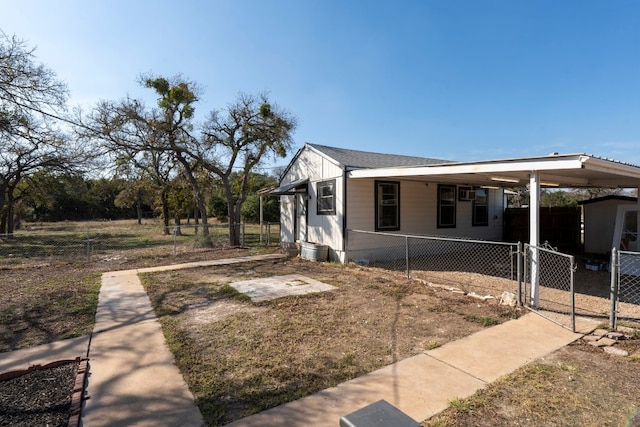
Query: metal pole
175	240
268	233
519	260
261	219
573	295
406	249
614	288
88	246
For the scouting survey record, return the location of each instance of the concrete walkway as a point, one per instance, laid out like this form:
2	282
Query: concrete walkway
134	381
133	377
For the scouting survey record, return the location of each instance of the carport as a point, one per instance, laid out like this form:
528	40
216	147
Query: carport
534	173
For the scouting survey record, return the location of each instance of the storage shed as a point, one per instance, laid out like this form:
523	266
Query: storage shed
599	222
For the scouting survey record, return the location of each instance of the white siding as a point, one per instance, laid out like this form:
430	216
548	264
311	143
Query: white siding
599	222
418	208
419	211
323	229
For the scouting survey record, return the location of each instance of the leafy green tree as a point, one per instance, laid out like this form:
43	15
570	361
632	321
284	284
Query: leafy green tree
557	198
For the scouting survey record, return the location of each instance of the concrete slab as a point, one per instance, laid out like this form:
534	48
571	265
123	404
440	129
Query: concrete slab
268	288
499	350
43	354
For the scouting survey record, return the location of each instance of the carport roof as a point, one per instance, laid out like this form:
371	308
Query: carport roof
557	170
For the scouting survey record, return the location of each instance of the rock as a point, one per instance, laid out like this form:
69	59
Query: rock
508	298
616	351
600	332
602	342
480	297
590	338
606	341
616	336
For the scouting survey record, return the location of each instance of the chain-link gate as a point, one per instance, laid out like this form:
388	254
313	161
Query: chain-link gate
548	285
625	288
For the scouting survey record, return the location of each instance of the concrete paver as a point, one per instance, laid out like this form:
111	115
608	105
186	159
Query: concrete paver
268	288
43	354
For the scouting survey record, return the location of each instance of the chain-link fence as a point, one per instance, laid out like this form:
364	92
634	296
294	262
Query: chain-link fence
61	243
470	265
549	284
625	288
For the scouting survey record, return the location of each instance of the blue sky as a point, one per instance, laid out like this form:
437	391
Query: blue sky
458	80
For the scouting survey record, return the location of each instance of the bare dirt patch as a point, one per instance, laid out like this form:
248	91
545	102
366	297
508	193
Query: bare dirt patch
253	356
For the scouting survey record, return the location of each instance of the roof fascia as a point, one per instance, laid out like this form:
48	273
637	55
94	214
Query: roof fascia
612	167
524	165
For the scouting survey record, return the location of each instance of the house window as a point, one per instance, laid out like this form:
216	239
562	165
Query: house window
327	197
480	215
387	206
446	206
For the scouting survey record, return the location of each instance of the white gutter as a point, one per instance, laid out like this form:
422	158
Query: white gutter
467	168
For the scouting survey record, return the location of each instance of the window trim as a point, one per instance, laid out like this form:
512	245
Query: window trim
454	199
378	227
319	198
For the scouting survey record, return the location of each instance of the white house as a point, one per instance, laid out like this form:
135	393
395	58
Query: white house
326	191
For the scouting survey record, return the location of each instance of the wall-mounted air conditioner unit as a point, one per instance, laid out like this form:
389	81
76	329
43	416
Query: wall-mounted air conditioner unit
466	194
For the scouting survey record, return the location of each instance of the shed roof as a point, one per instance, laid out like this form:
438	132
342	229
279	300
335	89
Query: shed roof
608	197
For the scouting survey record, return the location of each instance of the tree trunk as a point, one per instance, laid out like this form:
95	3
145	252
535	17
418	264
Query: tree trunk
198	199
139	206
178	229
165	211
234	217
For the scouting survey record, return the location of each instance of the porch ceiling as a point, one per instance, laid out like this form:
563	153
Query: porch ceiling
571	170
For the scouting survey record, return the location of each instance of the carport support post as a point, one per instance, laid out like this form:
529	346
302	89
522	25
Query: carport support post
534	235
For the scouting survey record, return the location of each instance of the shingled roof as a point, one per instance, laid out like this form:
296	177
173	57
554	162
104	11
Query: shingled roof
354	159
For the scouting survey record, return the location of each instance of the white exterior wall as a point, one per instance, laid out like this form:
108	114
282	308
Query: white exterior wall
418	215
323	229
419	211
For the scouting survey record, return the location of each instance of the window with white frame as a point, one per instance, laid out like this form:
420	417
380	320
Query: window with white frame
326	197
387	195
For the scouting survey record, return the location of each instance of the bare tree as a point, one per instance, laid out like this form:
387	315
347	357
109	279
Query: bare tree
238	140
31	101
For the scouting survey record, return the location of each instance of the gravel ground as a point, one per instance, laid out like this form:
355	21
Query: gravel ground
41	397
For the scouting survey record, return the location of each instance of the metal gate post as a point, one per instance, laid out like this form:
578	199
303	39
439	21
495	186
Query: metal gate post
88	245
573	295
519	261
614	288
406	250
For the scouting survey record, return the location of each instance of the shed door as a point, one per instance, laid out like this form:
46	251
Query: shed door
301	217
625	234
